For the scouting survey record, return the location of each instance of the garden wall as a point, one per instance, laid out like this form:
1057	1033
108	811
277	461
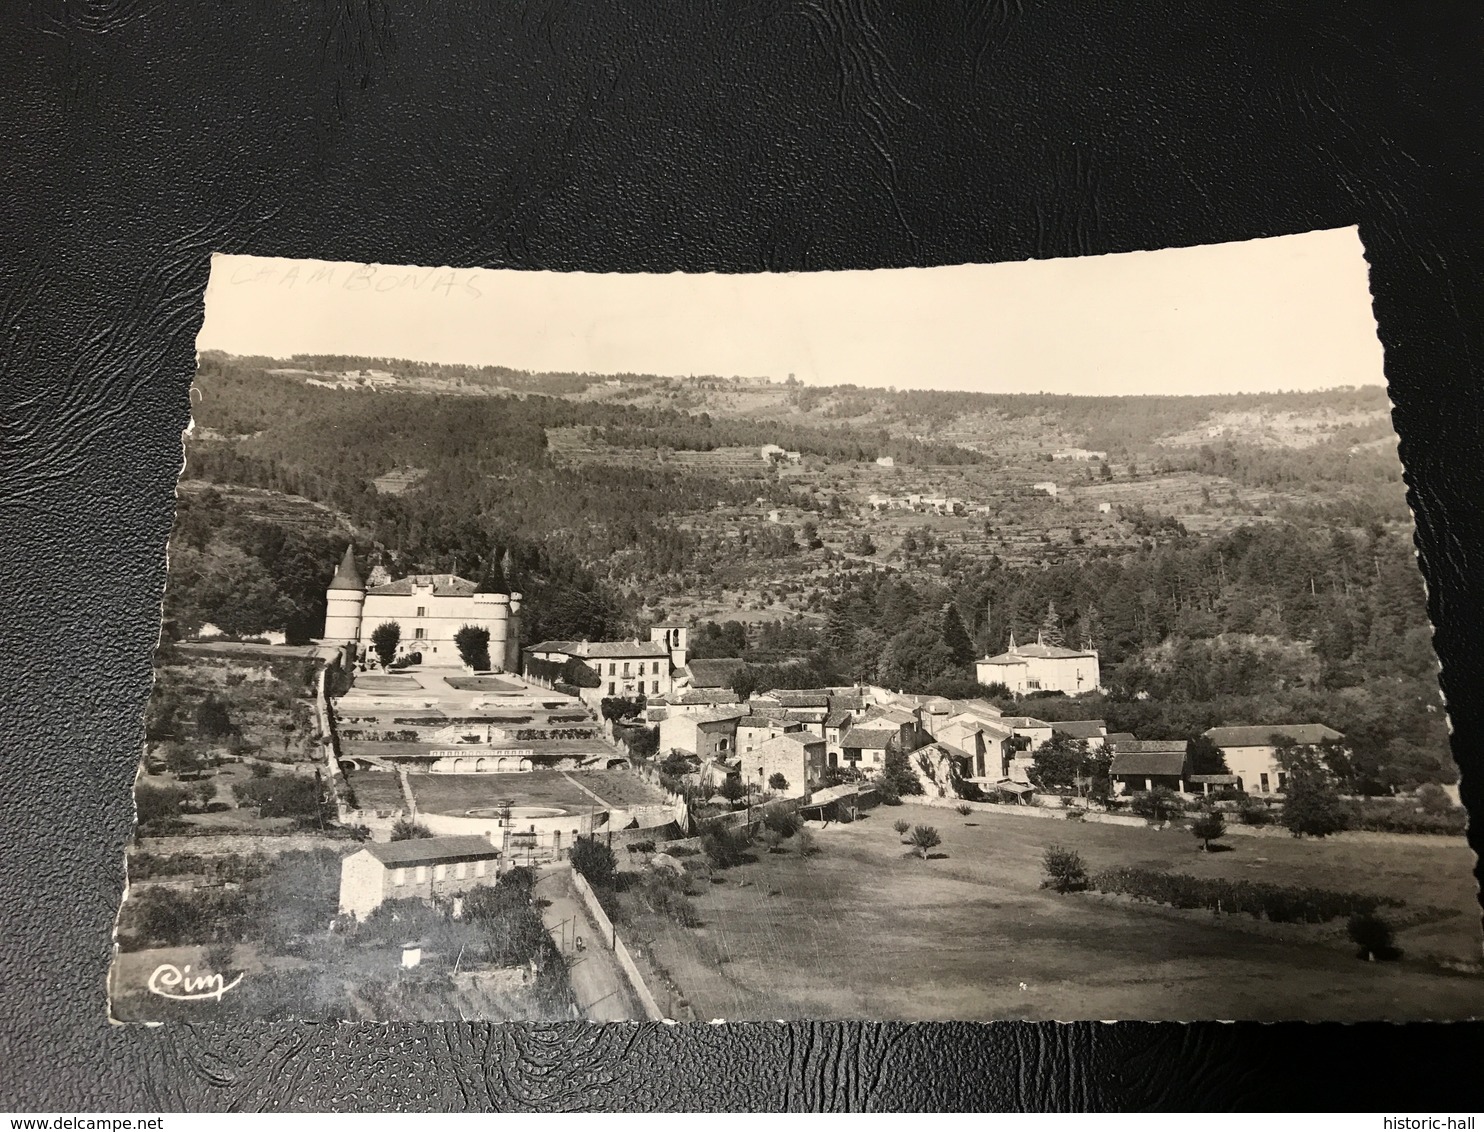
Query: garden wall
620	952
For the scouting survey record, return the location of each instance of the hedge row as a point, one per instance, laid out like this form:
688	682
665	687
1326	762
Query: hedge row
1391	817
1279	903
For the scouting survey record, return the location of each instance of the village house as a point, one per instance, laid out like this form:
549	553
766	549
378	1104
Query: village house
1095	731
1078	454
1251	752
1047	487
719	673
1041	668
1143	764
796	755
709	735
1033	732
625	669
421	868
755	730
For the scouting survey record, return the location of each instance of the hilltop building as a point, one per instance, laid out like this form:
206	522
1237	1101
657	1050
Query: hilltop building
1041	668
627	669
428	609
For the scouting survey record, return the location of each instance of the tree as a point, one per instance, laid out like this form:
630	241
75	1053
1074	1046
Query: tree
1372	936
405	829
181	759
1205	756
956	637
732	788
595	861
925	837
1208	827
1311	804
212	719
897	773
1065	871
901	827
157	803
1434	799
384	641
776	781
1051	630
473	643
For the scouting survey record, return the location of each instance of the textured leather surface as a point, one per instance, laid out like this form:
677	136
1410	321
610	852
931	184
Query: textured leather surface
734	135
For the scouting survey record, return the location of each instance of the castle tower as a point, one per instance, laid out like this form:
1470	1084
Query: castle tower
676	638
512	643
492	611
343	602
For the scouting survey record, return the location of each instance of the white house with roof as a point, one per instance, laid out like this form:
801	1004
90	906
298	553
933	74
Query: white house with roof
1041	668
626	669
1251	752
797	756
709	735
421	868
428	610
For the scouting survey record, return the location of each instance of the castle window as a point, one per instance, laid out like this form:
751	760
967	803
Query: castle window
417	634
399	876
625	668
422	610
440	871
655	687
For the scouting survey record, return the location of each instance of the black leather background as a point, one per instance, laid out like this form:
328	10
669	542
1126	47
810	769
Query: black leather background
726	135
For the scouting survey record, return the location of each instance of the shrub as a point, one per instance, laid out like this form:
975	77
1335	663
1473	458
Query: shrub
964	810
645	846
724	847
595	861
405	829
294	796
157	803
772	840
804	843
262	770
212	719
1254	813
901	827
785	822
1372	936
776	781
1065	871
1279	903
925	837
1433	799
732	789
1157	805
1207	827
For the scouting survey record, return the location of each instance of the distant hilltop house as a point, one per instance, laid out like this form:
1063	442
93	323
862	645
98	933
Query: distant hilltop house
398	480
1105	508
1251	752
1041	668
775	453
885	462
1047	486
428	610
1078	454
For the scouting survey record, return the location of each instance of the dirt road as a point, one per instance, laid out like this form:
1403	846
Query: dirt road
602	992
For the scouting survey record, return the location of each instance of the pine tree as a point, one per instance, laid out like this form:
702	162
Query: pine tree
956	637
1051	631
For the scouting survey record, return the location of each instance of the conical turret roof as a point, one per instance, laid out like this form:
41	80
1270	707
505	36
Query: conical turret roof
347	577
493	581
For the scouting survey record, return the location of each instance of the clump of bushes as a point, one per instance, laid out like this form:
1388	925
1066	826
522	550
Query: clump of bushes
1157	805
1278	903
1397	817
1065	871
1372	937
724	847
595	861
405	829
964	810
1254	813
785	823
645	846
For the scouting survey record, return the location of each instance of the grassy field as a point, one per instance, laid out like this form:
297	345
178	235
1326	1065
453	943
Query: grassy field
864	931
376	790
455	793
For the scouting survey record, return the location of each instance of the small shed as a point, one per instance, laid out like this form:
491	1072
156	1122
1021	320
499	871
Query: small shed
1147	764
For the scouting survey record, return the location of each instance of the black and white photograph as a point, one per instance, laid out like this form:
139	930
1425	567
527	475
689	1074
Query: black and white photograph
1020	641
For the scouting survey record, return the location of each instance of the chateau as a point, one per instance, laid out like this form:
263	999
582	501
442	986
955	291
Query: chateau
429	609
1041	668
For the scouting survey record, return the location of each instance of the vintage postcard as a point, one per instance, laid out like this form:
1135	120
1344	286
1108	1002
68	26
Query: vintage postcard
1021	641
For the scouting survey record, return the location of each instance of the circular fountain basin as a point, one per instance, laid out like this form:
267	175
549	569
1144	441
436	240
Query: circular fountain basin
517	812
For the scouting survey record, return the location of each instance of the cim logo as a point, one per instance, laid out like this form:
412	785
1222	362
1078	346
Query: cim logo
169	981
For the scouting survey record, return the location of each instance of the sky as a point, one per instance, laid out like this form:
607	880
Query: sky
1291	312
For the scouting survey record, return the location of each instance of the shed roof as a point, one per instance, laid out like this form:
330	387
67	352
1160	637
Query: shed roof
1149	762
431	850
867	737
1081	728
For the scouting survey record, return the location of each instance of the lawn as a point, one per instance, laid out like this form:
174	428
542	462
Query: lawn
619	788
864	931
455	793
376	790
